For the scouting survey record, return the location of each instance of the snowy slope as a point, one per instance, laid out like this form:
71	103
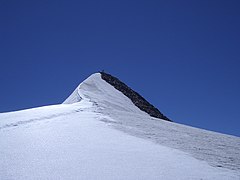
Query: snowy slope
76	140
217	149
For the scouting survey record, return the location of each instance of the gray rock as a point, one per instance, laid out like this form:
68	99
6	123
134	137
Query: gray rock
136	98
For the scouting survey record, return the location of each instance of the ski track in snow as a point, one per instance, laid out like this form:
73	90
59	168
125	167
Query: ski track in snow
23	122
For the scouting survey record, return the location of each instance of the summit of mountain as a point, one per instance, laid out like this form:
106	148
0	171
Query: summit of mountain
96	84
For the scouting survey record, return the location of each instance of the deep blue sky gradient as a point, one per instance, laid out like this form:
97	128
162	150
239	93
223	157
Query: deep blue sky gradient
182	56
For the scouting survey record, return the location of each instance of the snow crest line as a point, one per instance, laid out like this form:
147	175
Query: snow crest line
39	119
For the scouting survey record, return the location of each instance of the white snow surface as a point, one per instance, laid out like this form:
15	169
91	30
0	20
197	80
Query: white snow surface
98	133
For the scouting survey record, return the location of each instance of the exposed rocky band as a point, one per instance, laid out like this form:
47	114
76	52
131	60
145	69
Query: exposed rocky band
136	98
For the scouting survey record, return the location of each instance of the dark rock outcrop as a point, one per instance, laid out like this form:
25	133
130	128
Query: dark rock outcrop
136	98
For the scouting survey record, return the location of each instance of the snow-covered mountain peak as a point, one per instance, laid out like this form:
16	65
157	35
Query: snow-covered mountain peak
99	132
101	93
107	91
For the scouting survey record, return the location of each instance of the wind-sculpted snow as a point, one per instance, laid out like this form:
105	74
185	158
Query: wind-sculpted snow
78	141
219	150
24	117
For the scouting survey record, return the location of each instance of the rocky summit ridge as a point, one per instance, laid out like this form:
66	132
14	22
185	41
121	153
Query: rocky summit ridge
136	98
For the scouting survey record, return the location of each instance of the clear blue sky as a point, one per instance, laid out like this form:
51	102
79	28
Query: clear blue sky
182	56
